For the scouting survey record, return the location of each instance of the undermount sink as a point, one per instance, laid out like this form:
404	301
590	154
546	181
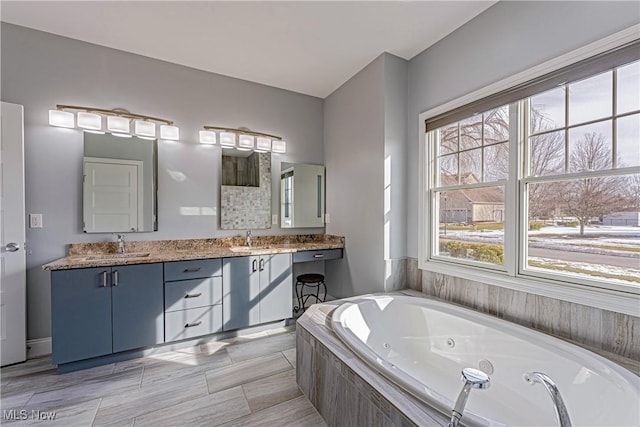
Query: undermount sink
118	256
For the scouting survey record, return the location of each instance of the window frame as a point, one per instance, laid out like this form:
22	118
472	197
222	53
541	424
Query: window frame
622	298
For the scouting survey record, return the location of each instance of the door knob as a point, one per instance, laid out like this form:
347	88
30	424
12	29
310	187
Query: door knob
12	247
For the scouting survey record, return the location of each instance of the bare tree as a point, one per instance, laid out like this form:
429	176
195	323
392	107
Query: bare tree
591	197
630	192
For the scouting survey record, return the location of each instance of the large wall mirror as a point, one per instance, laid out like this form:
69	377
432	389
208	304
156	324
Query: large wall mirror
302	195
120	184
245	194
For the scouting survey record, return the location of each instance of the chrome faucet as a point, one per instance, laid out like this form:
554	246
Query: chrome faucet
249	238
473	378
562	415
120	242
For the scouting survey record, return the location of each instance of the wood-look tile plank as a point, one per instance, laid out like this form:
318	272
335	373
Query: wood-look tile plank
262	346
243	372
215	408
169	371
50	379
271	390
297	412
15	401
123	407
86	389
291	356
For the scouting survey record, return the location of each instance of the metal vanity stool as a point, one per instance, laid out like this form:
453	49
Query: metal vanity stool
313	280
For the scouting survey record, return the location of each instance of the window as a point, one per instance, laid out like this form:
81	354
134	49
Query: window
545	182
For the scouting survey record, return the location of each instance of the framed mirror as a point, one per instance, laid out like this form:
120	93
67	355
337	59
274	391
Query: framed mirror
119	184
245	194
302	195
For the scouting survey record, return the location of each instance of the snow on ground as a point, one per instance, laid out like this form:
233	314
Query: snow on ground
596	268
597	239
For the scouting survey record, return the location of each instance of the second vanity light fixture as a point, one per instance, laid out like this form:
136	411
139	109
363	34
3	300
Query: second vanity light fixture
118	122
243	139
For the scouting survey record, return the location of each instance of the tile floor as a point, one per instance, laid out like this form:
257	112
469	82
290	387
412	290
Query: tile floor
245	381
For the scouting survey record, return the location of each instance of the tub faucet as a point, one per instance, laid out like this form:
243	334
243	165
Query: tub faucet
120	242
562	415
249	238
473	378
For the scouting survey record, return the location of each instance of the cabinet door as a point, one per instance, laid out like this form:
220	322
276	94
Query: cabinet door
80	314
137	306
276	295
241	292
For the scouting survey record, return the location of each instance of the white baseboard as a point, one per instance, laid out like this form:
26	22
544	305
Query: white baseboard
38	347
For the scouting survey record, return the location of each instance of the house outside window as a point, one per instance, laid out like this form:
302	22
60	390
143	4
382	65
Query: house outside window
545	186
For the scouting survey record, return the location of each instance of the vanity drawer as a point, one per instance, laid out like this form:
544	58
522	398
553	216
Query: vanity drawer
192	293
179	325
194	269
306	256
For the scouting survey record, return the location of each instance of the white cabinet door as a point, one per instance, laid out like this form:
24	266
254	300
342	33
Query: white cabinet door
12	238
112	200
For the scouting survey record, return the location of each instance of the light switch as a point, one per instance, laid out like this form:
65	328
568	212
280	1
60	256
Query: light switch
327	218
274	219
35	220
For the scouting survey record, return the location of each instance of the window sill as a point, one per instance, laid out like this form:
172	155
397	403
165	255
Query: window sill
620	302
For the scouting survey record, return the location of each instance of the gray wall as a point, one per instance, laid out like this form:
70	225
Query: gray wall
506	39
364	123
40	70
354	156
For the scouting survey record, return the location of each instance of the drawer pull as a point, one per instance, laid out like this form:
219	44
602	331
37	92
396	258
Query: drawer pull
261	264
254	265
104	279
188	325
193	295
191	270
116	278
318	256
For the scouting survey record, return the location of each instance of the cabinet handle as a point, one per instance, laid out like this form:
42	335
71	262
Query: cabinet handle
261	264
254	265
104	279
188	325
116	277
193	295
191	270
318	256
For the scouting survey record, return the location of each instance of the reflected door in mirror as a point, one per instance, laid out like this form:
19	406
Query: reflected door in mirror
112	195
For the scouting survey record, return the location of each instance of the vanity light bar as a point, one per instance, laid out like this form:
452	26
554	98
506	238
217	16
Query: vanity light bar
246	139
118	122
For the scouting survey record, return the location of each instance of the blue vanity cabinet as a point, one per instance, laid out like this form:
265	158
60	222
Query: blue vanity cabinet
256	289
192	298
80	314
137	306
276	282
102	310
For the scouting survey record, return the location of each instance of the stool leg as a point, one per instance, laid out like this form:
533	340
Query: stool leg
299	297
324	298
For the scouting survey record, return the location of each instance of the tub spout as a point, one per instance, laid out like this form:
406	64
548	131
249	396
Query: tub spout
472	378
562	415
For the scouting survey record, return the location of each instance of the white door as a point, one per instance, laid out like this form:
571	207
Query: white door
111	195
13	295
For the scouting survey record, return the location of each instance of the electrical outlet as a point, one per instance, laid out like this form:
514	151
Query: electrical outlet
274	219
327	218
35	220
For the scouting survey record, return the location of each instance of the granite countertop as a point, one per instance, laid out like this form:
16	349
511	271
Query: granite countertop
103	254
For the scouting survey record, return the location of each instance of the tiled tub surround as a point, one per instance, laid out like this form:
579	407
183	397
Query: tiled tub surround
590	327
177	250
346	391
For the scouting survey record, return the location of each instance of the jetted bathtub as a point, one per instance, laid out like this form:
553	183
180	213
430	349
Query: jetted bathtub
422	345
